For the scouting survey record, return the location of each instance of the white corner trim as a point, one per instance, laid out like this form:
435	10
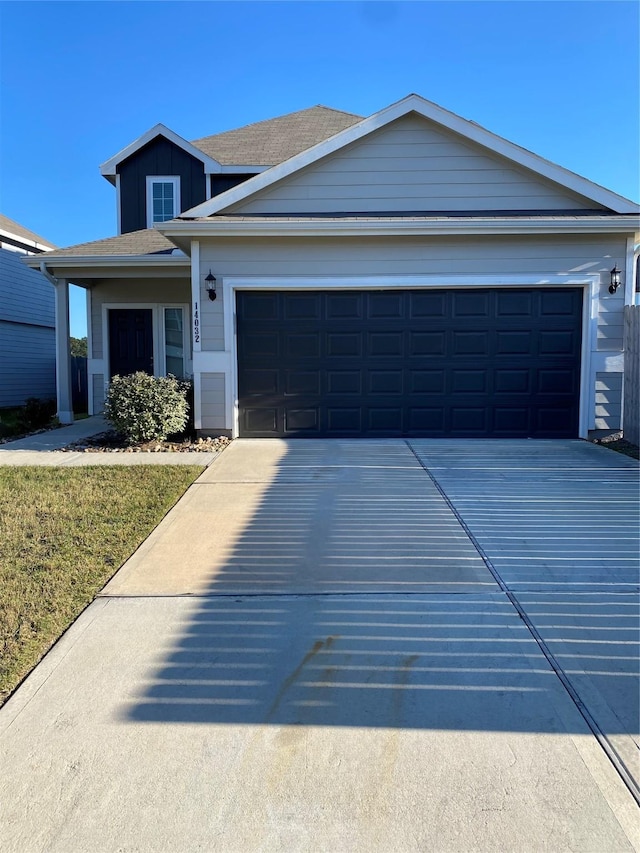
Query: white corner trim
109	167
444	118
629	271
162	179
196	299
118	205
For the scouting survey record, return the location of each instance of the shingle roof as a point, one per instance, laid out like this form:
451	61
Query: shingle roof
147	242
269	142
14	227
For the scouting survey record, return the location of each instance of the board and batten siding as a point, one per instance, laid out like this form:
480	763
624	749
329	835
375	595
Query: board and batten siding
411	165
538	256
160	156
27	333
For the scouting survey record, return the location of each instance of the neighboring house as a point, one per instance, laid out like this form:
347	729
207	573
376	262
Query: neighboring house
27	319
323	274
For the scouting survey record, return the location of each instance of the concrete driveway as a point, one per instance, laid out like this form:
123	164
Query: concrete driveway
332	646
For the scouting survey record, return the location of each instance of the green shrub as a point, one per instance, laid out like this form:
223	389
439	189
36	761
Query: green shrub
144	407
36	413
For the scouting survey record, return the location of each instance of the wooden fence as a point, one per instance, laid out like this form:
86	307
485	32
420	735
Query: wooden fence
631	413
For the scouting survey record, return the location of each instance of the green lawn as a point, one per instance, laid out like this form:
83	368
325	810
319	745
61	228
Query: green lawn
63	533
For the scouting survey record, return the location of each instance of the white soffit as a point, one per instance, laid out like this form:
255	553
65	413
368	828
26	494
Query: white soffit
108	168
444	118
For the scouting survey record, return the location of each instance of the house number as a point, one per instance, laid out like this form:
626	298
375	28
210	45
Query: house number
196	324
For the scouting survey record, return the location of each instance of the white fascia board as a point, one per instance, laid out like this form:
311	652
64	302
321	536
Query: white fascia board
26	242
109	167
213	228
451	121
119	261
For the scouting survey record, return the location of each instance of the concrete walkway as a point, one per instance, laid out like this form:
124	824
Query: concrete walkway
45	449
310	654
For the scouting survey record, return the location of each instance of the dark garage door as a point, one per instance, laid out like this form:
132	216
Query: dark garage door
475	363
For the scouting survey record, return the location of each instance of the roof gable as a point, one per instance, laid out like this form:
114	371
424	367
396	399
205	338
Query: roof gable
109	168
465	130
411	165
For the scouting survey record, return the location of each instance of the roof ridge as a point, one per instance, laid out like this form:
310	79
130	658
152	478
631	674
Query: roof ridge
273	119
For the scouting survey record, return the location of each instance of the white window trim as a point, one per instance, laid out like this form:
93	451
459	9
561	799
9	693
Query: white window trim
162	179
186	337
592	361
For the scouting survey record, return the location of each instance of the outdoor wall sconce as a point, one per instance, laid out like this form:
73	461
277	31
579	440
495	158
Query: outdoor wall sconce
615	279
210	284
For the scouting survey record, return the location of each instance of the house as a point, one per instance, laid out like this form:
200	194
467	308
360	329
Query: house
27	321
324	274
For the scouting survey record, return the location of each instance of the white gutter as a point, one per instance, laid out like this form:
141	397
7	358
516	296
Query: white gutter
80	261
406	227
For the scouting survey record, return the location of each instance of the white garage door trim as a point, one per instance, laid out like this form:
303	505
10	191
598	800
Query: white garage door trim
228	361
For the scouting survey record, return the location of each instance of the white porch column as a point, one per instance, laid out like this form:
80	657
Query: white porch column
63	362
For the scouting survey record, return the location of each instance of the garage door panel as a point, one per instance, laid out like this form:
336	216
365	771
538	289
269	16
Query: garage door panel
385	344
513	304
510	419
470	343
302	420
482	362
302	382
467	381
385	382
514	343
427	305
344	344
343	420
471	304
512	381
387	421
426	420
386	306
340	306
304	306
469	420
426	381
262	420
427	344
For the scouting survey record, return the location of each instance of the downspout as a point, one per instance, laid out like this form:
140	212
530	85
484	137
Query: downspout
45	272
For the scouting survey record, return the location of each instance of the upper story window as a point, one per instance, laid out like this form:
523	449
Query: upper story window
163	198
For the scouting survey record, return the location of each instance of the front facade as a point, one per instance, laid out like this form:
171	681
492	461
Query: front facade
27	319
321	274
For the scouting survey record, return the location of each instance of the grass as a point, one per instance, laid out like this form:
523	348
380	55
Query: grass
63	534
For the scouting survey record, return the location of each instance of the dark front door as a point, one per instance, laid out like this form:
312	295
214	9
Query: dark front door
470	363
130	341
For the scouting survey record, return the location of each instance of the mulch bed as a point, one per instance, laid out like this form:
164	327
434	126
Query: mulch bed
620	445
113	442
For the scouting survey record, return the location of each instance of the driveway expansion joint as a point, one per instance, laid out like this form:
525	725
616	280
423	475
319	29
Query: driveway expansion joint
607	747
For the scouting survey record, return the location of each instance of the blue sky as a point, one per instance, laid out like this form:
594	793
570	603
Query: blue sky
80	80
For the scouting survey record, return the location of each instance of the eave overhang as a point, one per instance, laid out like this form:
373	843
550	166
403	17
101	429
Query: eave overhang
85	270
180	232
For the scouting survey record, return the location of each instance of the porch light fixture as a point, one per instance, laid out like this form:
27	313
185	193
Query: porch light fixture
615	279
210	284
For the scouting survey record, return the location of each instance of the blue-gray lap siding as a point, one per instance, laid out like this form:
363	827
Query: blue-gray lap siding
27	333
